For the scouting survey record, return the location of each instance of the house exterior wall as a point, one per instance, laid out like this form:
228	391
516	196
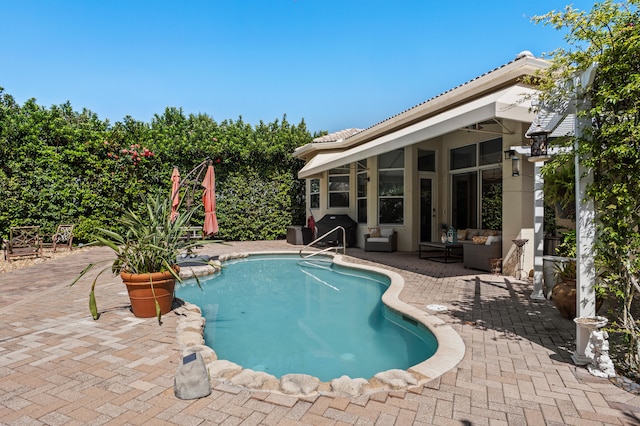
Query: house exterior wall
517	212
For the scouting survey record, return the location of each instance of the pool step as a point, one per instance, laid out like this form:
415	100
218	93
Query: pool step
316	263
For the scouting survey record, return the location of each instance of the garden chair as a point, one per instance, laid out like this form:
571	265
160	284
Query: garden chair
381	239
63	238
23	241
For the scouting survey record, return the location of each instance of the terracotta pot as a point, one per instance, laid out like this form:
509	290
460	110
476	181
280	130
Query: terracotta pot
141	295
564	297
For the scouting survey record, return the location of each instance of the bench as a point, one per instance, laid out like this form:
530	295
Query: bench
23	241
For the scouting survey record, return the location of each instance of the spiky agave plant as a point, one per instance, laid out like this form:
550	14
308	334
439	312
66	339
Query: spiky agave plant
148	243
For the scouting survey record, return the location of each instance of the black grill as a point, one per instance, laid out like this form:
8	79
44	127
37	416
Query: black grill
330	221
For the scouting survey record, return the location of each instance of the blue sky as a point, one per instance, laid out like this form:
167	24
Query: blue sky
335	63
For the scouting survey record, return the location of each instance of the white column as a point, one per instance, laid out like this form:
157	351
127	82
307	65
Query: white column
585	233
538	231
585	292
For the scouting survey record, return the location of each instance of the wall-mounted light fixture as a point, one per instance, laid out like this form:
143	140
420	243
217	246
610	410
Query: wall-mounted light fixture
515	161
515	165
539	146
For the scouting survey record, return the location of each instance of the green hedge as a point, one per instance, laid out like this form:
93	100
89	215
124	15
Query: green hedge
64	166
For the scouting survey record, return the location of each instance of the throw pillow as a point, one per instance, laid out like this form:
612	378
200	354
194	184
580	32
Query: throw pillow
374	232
386	232
462	234
472	233
492	239
479	240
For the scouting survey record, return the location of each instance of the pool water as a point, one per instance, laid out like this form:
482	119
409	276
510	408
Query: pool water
281	315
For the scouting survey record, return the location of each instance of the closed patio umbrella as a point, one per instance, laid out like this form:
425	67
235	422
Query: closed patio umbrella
209	200
175	197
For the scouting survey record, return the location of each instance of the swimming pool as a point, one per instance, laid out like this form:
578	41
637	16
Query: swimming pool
282	315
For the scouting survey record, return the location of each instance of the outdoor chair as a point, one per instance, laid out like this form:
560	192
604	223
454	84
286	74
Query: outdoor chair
63	238
381	239
23	241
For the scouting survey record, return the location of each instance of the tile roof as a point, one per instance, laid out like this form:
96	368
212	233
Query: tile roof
521	55
337	136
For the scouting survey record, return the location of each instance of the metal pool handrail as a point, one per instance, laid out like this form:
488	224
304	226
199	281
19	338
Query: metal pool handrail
326	249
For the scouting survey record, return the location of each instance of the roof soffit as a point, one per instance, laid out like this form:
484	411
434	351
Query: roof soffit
510	103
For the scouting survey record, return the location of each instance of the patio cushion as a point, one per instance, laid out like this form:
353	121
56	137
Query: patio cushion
378	239
386	232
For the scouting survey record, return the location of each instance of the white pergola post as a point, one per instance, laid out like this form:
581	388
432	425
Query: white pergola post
547	121
585	229
585	279
538	231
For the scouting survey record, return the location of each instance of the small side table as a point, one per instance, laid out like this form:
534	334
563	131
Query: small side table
520	253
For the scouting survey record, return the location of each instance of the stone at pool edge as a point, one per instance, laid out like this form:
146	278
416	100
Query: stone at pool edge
192	268
188	259
187	272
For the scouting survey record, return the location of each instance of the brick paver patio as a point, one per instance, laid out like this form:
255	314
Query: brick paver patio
58	366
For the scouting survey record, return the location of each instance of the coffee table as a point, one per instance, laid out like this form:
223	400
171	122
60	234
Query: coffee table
440	252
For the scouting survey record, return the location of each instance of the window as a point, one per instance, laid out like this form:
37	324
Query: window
314	193
476	192
462	158
391	187
339	187
362	181
492	199
491	152
426	161
464	209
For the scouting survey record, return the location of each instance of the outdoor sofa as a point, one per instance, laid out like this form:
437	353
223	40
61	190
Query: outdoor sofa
479	246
